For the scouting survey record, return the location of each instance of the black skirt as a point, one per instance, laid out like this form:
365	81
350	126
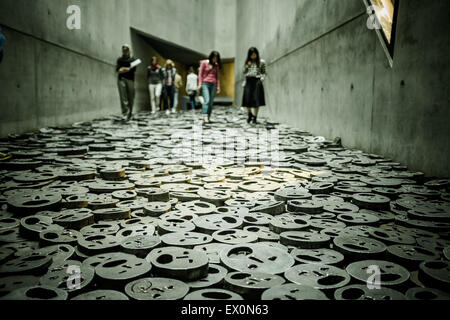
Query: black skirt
253	93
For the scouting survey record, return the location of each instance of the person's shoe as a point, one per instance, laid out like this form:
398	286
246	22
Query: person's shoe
174	111
168	112
153	112
254	121
250	118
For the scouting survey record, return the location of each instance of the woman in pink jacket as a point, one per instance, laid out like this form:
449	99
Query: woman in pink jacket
209	82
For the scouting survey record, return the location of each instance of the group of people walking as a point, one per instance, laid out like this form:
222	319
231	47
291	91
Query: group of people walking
165	82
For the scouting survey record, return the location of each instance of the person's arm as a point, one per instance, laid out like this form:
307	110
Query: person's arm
161	74
263	70
200	76
218	80
246	68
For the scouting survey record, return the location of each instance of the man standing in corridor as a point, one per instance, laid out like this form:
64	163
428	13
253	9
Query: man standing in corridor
126	70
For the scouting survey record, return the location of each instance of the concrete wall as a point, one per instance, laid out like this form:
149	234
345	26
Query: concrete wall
54	76
329	75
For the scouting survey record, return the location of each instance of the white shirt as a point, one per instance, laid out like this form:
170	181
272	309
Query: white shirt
191	83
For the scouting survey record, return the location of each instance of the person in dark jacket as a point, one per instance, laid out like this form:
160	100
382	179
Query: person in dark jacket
125	82
169	73
255	73
155	78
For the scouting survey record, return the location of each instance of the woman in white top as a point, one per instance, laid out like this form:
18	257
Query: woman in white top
191	87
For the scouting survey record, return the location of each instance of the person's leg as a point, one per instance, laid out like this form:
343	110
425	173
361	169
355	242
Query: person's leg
171	95
212	96
165	98
206	99
175	100
131	93
192	101
152	89
158	92
123	96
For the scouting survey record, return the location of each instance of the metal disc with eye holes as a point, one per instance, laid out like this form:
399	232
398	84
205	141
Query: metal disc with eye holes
32	226
419	293
124	195
215	277
318	276
371	201
111	214
319	256
96	260
213	222
185	196
156	289
30	203
358	218
256	258
75	201
288	222
212	250
234	236
97	295
62	276
174	225
155	209
179	263
307	206
292	291
185	239
411	256
251	284
109	186
11	236
74	218
8	223
99	243
101	201
178	215
197	207
59	252
357	247
120	270
389	274
263	233
232	211
322	223
362	292
38	292
32	264
143	230
11	283
216	197
213	294
271	207
383	216
105	228
65	236
132	205
157	195
256	219
304	239
391	236
340	207
21	248
435	274
142	221
140	245
291	193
